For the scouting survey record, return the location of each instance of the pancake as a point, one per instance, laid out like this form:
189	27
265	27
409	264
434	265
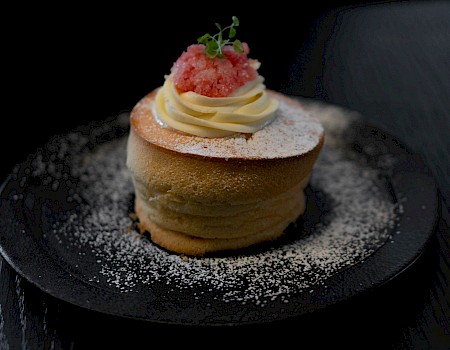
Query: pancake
198	195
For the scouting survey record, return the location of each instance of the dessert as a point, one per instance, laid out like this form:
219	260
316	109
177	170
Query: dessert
218	161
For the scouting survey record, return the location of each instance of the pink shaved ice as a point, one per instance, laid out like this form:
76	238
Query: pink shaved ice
213	77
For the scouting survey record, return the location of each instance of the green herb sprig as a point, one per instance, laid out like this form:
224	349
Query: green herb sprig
214	44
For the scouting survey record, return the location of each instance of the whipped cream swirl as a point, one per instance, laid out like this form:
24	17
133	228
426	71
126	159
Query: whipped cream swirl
247	110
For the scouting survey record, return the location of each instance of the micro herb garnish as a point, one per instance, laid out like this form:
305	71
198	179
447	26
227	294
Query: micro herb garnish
214	44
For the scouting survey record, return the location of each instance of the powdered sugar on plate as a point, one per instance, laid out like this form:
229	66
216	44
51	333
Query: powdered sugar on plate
351	214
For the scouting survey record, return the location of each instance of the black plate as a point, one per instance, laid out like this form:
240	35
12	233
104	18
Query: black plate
67	226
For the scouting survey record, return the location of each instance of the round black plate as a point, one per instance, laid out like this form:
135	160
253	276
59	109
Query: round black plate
67	226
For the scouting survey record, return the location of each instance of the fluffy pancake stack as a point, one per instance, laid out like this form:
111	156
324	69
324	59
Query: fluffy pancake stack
197	195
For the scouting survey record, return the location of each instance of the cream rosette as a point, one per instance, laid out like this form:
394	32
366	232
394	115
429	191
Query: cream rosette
247	110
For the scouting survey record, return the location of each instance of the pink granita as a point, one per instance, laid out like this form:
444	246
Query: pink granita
213	77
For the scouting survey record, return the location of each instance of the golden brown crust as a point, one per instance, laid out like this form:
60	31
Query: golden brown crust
196	246
210	180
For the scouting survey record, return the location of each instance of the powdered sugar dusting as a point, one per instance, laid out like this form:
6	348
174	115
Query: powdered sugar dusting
293	132
357	217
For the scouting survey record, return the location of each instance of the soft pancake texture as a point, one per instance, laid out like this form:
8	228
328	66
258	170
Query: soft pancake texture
198	195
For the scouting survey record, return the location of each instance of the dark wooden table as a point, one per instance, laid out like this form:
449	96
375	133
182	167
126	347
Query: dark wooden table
391	63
